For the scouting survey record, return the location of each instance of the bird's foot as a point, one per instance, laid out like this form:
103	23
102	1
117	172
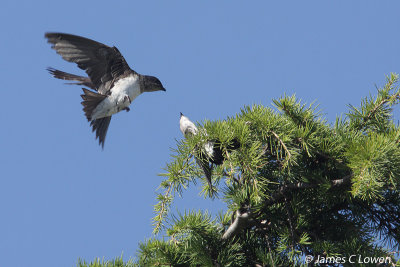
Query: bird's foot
127	109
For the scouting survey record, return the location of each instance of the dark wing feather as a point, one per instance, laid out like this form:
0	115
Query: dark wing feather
217	156
101	62
71	77
101	128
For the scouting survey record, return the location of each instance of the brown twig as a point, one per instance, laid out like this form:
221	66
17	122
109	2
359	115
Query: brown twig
283	145
383	101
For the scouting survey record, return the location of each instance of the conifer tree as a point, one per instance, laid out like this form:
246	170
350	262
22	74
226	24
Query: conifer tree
297	186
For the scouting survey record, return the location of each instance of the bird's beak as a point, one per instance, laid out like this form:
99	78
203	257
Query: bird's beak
181	114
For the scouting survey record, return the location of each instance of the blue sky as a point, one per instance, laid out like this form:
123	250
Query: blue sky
62	197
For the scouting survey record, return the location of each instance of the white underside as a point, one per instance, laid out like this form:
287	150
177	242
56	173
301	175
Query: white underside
124	90
186	126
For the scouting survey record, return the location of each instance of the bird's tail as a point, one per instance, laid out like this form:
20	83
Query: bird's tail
101	128
207	169
80	80
90	102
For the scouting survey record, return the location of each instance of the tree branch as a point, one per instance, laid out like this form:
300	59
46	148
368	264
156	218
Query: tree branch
158	219
380	104
344	180
283	190
283	145
243	216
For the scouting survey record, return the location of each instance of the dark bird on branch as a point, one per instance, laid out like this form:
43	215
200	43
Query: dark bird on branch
210	153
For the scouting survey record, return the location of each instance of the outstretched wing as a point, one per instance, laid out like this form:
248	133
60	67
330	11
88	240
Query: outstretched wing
103	64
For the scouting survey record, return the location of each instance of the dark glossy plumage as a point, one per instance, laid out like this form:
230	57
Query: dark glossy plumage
103	64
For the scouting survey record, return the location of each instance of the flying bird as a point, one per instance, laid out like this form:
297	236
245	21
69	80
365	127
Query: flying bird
210	153
114	84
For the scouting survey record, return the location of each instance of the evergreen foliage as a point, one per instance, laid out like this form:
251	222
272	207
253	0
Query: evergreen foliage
118	262
297	186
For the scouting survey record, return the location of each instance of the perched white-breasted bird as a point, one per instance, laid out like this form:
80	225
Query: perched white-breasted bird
115	85
210	153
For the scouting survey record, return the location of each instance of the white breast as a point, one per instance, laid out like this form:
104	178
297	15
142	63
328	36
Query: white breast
186	126
126	86
117	101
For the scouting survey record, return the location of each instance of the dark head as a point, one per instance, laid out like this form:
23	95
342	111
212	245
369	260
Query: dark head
151	84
